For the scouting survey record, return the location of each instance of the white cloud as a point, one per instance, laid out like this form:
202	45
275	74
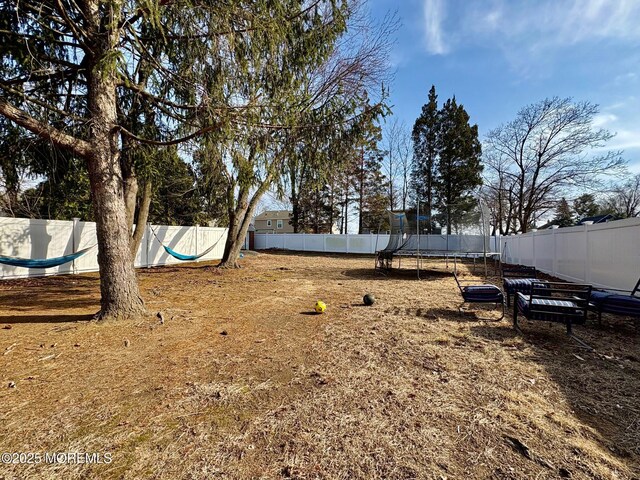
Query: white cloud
434	14
625	79
531	27
625	140
604	119
625	124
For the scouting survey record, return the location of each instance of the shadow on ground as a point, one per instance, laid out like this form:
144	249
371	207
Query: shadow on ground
53	318
600	385
473	314
59	300
395	274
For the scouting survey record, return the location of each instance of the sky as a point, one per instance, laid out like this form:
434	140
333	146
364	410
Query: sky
497	56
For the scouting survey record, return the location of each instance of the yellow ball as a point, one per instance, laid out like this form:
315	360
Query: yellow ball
320	306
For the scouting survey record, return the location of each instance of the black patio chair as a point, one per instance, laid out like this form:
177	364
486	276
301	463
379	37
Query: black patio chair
625	304
565	303
479	293
517	278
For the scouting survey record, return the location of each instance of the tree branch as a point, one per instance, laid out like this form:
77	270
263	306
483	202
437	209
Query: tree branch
79	147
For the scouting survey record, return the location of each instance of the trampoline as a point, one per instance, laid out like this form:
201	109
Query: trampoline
409	240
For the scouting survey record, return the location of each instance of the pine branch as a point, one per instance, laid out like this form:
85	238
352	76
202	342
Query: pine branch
79	147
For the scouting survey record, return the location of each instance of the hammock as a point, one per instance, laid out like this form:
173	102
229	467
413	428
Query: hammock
182	256
43	262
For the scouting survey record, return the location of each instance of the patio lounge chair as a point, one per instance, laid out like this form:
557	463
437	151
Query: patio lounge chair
565	303
517	278
603	301
480	293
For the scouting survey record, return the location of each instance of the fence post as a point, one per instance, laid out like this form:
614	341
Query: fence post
347	243
554	266
304	242
75	241
324	242
587	263
533	247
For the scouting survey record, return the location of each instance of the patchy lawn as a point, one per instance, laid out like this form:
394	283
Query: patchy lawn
241	381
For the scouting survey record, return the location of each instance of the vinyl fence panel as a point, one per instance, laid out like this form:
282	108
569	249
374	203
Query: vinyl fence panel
366	243
39	239
605	255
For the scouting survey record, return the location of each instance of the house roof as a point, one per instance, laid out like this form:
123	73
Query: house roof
597	219
274	215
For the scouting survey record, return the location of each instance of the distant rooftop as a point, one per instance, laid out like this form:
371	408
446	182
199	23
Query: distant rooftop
274	215
598	219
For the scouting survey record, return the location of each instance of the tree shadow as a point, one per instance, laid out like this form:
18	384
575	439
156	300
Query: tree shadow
48	318
175	268
46	302
472	313
48	294
601	385
297	253
396	274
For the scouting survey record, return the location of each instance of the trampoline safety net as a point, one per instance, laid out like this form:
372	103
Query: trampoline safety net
408	237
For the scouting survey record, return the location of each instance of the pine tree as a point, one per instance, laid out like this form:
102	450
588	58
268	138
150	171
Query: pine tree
564	217
317	210
586	206
372	193
426	148
458	165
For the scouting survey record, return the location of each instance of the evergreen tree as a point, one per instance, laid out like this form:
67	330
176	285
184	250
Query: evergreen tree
371	192
426	148
586	206
74	72
175	199
317	210
458	165
564	217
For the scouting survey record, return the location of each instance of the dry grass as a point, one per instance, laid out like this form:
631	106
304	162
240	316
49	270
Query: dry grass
406	388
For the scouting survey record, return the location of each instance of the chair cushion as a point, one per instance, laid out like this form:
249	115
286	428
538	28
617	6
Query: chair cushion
621	305
482	293
548	309
513	285
599	296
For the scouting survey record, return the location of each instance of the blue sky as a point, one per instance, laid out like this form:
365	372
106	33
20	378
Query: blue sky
497	56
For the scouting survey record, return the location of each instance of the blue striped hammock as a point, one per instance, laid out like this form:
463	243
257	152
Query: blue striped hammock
43	262
187	258
182	256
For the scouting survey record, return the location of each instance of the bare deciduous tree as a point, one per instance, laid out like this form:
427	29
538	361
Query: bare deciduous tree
625	199
547	150
398	163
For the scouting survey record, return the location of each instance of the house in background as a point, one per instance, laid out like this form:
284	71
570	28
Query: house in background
273	221
607	217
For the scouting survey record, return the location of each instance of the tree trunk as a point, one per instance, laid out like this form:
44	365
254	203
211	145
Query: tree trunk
118	284
295	207
130	184
331	206
236	220
361	193
242	220
129	181
430	195
234	242
143	217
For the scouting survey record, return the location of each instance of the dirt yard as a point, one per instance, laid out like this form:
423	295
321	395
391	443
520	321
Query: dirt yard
241	381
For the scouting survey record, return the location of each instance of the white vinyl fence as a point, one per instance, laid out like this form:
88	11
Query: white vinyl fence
38	239
367	243
307	242
605	255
